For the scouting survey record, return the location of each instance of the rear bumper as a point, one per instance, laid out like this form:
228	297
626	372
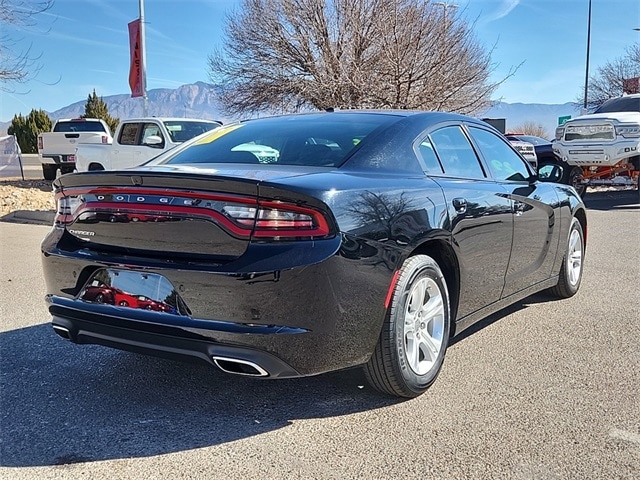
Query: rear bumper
54	159
302	320
167	342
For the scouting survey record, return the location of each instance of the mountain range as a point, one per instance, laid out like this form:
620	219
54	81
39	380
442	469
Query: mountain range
200	100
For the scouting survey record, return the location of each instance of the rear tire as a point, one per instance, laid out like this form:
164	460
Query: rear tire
64	169
49	171
415	334
572	263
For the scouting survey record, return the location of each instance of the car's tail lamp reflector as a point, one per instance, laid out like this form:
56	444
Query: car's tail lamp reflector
40	144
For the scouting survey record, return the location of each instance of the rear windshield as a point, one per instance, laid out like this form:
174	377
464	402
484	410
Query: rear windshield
183	130
308	140
79	126
622	104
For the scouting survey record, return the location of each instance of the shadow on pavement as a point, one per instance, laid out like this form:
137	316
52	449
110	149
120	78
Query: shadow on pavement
613	200
63	403
541	297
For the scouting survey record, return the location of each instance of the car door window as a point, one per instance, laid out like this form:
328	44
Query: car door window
129	134
504	163
151	129
456	154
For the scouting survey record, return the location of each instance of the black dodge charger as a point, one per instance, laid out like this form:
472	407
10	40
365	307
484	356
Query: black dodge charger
302	244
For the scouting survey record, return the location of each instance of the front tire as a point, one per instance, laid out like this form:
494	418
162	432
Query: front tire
572	263
415	334
573	178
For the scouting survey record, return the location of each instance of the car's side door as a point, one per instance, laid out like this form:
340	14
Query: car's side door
479	215
133	149
535	206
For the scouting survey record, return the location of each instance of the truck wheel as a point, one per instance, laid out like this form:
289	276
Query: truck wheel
573	178
66	169
49	171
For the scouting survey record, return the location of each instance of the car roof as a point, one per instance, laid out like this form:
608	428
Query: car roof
435	117
628	103
169	119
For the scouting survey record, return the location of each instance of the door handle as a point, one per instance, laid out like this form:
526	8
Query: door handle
460	204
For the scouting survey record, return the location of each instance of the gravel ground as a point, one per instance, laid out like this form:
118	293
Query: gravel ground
32	195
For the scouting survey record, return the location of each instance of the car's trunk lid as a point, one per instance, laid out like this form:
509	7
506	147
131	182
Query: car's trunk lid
182	213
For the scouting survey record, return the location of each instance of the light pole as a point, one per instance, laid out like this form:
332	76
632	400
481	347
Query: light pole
444	6
586	76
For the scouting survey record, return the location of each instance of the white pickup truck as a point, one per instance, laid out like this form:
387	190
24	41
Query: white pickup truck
57	149
138	140
602	148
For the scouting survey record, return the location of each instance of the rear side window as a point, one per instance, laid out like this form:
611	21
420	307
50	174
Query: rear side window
456	153
428	155
79	126
503	162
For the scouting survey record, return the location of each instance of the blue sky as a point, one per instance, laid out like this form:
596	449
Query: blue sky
83	45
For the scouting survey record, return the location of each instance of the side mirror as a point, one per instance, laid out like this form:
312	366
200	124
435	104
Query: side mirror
550	173
154	141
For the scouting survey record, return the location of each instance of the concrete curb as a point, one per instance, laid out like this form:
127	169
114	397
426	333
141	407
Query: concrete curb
38	217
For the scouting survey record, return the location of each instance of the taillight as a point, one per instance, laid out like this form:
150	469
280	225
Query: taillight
277	220
66	208
240	216
40	147
105	139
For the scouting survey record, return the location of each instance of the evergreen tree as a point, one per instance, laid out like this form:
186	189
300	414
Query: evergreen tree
26	129
97	108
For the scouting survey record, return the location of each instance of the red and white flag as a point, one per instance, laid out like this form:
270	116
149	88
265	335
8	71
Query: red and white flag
135	69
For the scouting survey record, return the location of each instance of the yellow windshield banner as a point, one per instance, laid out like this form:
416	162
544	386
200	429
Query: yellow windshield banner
217	133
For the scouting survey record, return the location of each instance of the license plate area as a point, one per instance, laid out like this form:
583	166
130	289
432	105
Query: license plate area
132	289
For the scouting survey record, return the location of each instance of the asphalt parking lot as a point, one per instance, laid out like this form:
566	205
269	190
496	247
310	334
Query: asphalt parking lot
543	390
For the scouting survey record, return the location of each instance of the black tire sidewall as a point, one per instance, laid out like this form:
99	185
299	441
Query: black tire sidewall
573	173
424	269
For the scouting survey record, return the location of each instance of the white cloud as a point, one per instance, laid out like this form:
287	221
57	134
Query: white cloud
503	10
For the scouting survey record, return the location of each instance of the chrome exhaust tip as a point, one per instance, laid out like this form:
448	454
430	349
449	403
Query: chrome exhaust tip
62	331
239	367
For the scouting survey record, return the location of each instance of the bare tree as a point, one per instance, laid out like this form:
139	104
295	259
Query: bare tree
532	128
609	79
283	55
16	65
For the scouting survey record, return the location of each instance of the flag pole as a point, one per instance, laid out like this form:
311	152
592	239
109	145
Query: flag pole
143	61
586	75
